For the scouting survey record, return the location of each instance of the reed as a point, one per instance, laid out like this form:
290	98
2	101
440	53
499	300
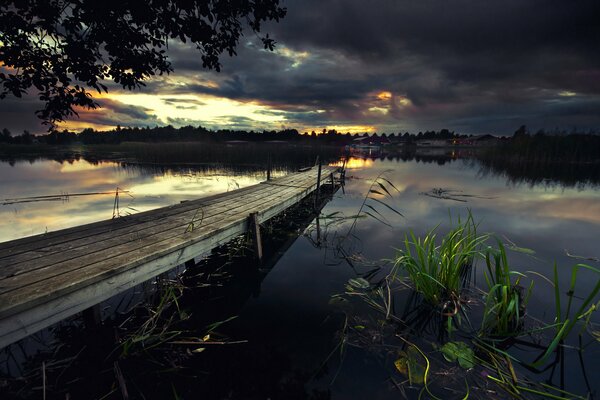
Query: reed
505	303
565	322
439	270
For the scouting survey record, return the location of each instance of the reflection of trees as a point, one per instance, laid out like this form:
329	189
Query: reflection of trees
542	172
426	156
569	160
197	156
532	167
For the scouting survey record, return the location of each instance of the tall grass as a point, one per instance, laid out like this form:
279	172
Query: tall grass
565	322
439	270
505	302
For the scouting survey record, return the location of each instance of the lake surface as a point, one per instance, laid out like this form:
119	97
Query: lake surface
292	327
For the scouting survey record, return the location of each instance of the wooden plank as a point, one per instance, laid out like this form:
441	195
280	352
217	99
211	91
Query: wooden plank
120	232
122	251
170	251
48	253
69	245
108	225
36	305
66	262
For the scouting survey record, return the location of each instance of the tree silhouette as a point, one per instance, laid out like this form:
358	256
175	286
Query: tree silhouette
65	48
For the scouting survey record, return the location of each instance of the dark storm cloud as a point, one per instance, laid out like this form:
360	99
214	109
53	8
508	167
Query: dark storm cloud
113	113
18	114
477	65
187	103
473	66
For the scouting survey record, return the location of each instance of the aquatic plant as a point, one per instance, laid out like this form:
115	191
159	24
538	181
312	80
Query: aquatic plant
439	271
505	302
380	189
564	323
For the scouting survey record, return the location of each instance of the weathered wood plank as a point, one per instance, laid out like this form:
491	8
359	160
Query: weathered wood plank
53	253
70	283
108	225
172	249
115	250
44	250
68	261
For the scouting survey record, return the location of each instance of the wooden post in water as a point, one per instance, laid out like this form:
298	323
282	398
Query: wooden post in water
269	166
318	184
190	263
92	317
255	229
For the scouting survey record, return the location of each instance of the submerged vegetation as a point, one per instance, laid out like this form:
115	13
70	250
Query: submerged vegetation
505	302
439	271
478	327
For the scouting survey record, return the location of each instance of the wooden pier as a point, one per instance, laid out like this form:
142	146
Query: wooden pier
49	277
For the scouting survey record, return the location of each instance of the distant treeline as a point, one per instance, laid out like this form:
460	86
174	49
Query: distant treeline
200	134
543	148
568	159
551	147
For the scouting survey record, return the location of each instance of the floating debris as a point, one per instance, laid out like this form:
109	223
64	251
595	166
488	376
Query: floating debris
451	194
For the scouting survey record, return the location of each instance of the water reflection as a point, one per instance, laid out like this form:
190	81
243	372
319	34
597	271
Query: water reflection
291	324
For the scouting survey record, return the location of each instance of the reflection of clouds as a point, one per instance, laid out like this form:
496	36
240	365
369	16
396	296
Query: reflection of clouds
80	166
547	220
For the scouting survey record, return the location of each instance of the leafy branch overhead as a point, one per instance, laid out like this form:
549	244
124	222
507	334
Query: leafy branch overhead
65	48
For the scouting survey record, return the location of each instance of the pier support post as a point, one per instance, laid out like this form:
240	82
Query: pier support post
255	229
317	191
269	167
190	263
92	317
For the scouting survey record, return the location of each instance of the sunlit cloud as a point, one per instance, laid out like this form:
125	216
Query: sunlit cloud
403	101
380	110
384	95
296	58
567	93
342	128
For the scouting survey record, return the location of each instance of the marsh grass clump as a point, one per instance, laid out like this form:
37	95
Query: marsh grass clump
438	314
505	301
439	270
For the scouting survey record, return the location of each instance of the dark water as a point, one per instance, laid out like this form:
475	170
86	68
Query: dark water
289	326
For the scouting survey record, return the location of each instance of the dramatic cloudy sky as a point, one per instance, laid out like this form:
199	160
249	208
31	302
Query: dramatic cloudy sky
381	65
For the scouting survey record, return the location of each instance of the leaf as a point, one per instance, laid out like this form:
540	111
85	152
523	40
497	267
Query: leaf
523	250
374	210
376	218
382	186
410	364
387	205
401	365
199	350
389	183
206	338
376	192
459	351
359	283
